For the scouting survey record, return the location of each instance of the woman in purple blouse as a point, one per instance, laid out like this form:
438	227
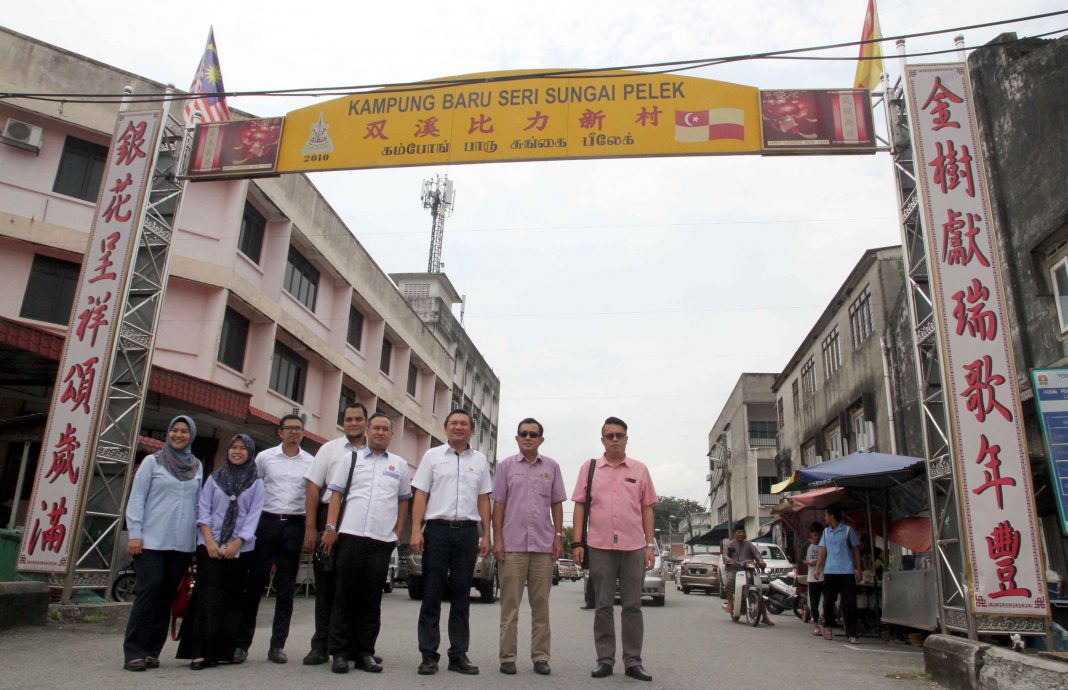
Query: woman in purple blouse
228	513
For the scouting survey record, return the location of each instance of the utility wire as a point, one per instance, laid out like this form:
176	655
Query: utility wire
598	72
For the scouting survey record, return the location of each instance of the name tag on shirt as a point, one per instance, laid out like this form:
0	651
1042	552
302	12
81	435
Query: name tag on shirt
632	481
387	473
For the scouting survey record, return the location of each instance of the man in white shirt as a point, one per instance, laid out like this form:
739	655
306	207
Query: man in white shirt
452	487
316	500
279	537
368	509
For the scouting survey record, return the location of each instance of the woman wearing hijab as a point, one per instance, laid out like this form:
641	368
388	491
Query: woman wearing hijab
227	517
161	519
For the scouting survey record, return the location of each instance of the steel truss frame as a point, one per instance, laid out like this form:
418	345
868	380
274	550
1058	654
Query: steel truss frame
98	550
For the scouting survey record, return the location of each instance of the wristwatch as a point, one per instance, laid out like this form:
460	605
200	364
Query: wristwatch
651	546
330	528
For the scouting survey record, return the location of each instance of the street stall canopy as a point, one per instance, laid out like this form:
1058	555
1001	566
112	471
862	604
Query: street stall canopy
858	470
712	537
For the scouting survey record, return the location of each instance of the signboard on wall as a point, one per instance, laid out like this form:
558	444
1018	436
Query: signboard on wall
70	435
990	461
1051	399
244	148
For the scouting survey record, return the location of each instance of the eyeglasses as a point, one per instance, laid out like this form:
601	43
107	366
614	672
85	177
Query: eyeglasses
529	434
614	436
292	428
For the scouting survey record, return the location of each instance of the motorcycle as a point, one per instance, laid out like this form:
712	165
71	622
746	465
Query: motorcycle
782	594
748	597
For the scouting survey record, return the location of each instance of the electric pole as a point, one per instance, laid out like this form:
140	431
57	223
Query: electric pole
440	197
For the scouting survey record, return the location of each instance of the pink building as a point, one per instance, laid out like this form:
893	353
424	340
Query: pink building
273	305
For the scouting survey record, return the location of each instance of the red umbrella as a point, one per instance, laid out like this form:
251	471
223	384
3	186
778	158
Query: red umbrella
914	533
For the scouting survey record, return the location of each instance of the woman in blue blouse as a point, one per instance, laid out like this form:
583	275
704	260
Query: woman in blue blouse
161	519
227	516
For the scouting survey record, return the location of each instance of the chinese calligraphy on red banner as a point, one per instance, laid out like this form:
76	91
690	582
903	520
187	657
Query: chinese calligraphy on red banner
70	436
990	457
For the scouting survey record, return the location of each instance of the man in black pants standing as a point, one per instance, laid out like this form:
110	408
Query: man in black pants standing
317	498
279	538
452	486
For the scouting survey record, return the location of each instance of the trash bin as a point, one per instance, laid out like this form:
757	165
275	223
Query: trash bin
9	553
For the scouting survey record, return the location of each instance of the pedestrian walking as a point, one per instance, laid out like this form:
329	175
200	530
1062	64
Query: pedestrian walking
617	542
528	529
452	487
815	579
161	516
839	566
228	513
316	502
368	510
279	538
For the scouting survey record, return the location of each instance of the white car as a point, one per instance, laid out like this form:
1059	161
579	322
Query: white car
777	563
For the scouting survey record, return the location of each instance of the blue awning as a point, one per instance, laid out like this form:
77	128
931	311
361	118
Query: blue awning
857	470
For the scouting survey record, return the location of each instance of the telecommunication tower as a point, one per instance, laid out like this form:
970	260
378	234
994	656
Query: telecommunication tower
440	197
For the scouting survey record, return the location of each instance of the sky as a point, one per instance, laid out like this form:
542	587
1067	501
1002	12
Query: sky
638	288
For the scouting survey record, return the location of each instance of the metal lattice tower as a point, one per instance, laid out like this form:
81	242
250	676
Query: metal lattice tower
97	549
954	612
440	197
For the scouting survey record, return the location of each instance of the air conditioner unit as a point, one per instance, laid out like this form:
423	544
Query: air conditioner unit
22	135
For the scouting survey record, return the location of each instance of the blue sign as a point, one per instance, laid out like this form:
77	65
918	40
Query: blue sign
1051	398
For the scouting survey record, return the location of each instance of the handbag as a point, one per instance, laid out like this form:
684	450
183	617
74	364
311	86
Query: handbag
183	599
326	560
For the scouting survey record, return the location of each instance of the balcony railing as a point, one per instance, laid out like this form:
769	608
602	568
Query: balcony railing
769	499
761	442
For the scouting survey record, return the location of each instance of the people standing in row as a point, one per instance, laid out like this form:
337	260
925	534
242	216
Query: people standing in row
161	516
619	544
368	510
228	513
452	486
839	566
279	538
528	525
815	579
317	498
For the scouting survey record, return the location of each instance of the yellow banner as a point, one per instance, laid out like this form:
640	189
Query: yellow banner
522	118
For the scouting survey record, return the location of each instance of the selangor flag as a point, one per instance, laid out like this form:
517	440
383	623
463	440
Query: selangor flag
208	81
869	71
705	125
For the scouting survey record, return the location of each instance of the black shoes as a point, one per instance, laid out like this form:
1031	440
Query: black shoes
340	665
638	673
601	671
151	662
240	655
276	655
508	668
315	657
135	665
369	664
587	608
462	664
542	668
429	666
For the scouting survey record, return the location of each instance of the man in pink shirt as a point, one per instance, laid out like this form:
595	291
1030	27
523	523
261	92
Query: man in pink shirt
617	544
528	524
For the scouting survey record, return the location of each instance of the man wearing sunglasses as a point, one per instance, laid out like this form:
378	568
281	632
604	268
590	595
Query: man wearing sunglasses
619	544
528	526
279	537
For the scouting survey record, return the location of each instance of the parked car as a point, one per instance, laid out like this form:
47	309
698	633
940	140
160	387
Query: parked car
401	577
391	572
569	570
700	572
654	587
777	564
485	578
556	573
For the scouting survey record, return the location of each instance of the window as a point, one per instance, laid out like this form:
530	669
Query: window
761	433
288	371
233	339
50	290
253	225
387	356
764	485
808	377
861	324
413	379
1060	291
808	454
859	429
797	398
355	334
832	442
301	279
348	396
80	168
832	353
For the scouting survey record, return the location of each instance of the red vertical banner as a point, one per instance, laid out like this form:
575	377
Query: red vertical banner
73	423
999	528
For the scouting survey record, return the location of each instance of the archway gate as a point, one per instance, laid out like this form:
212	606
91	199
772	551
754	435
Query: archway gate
986	540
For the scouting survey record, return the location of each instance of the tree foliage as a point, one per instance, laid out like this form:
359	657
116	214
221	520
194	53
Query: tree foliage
670	505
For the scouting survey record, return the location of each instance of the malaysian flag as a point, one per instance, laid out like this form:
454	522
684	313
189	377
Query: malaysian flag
208	82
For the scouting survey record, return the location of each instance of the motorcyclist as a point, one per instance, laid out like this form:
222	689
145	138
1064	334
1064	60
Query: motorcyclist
738	551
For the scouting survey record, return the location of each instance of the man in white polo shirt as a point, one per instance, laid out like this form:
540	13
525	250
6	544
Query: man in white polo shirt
452	487
278	538
367	511
317	498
